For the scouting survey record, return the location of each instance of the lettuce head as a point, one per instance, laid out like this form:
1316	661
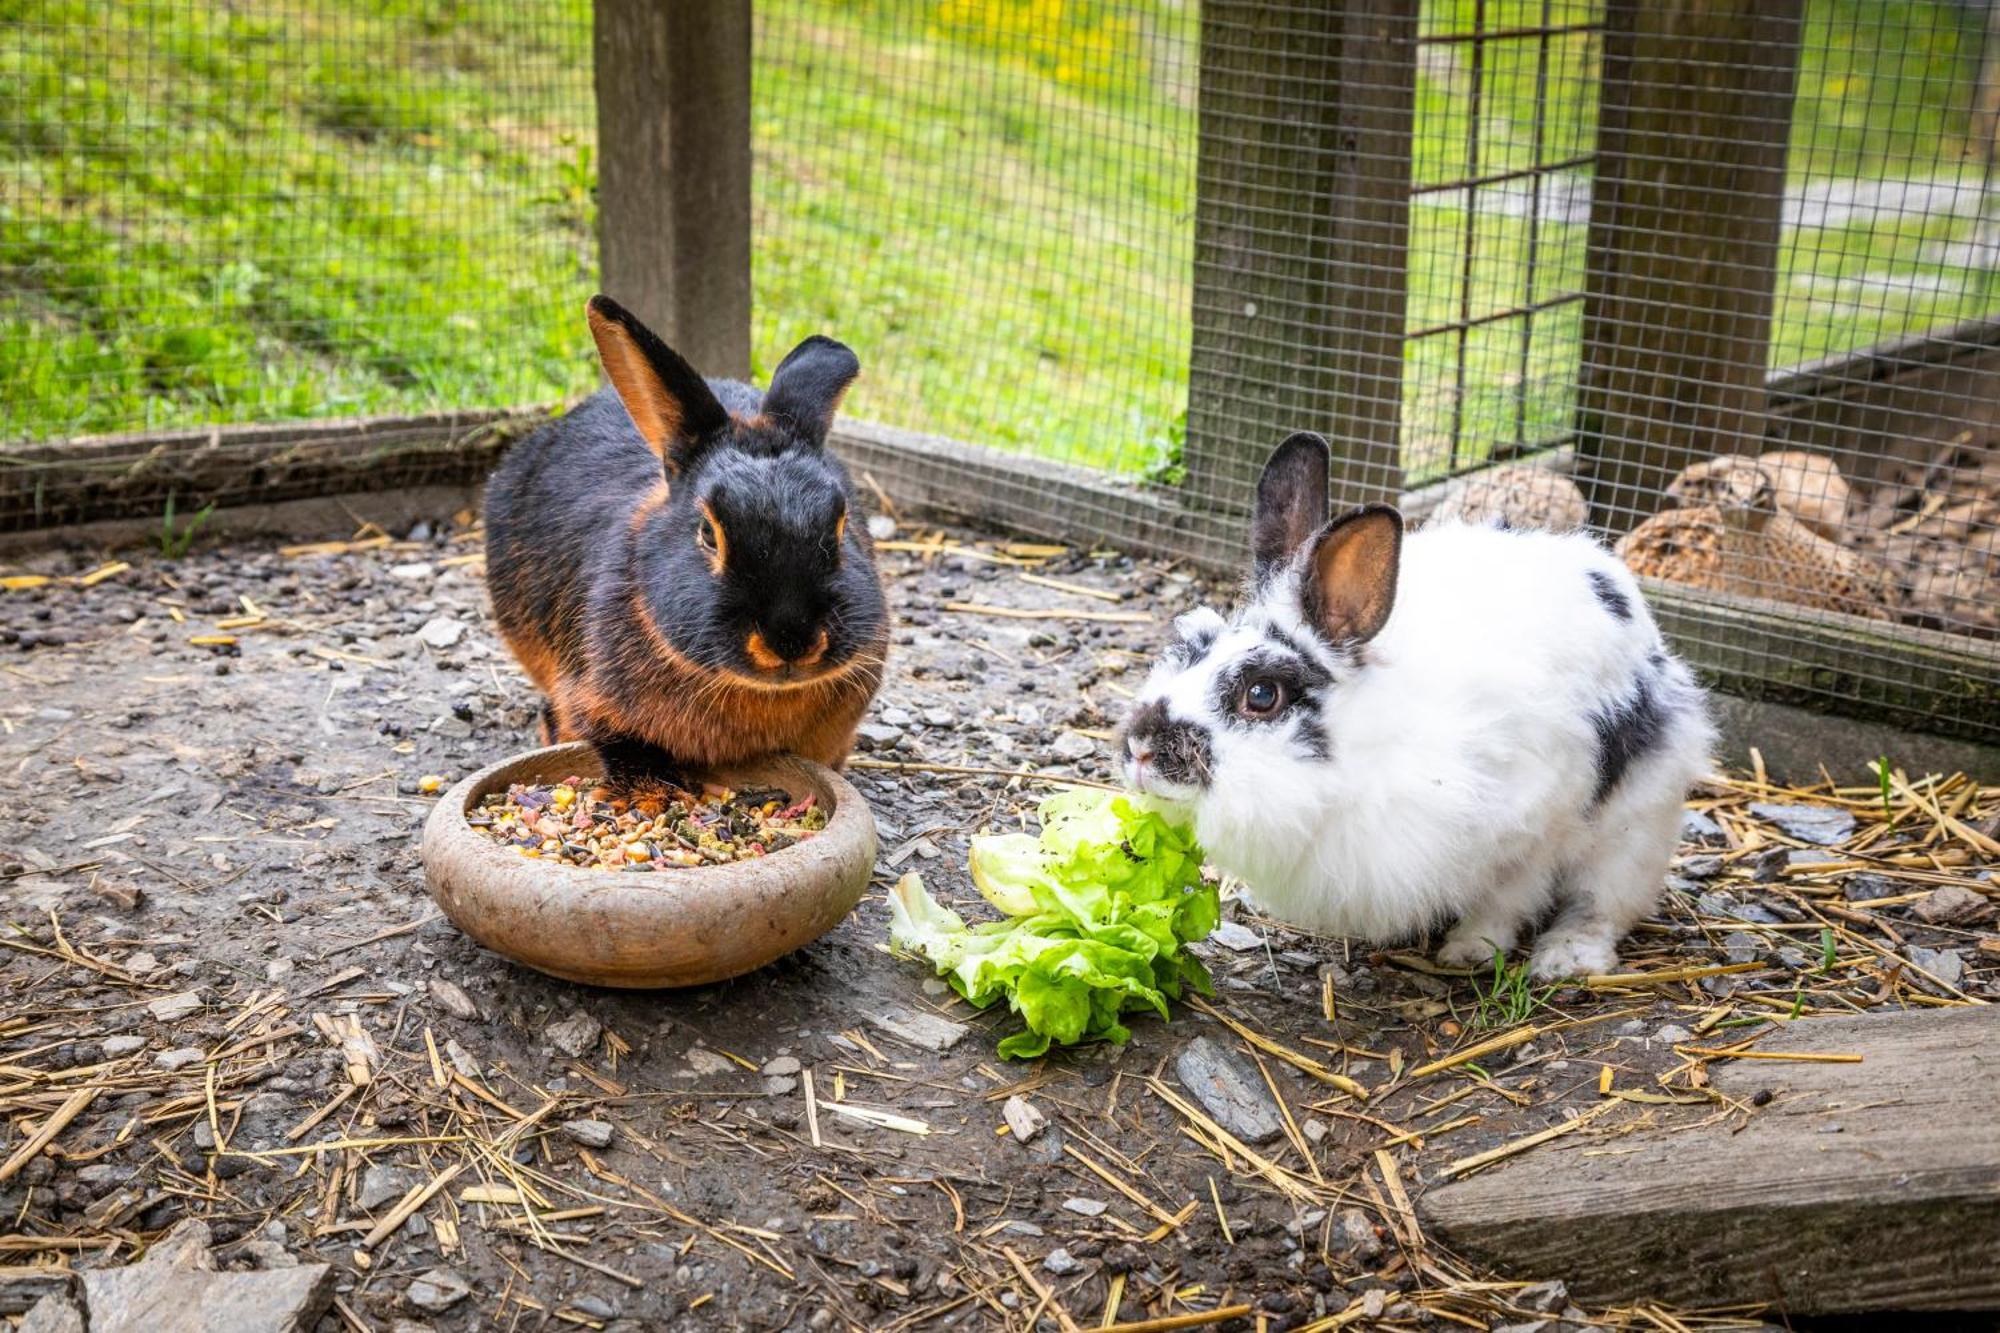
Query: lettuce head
1098	909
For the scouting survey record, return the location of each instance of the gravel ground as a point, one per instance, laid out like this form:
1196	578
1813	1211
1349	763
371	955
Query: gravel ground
222	965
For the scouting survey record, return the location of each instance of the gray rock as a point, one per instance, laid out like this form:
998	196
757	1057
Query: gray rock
938	717
1698	827
782	1066
1542	1297
594	1306
175	1289
437	1290
1354	1237
441	632
1672	1035
23	1288
896	717
1230	1090
451	998
926	1031
1825	825
575	1035
877	736
707	1063
1866	888
780	1085
54	1313
1023	1120
1947	965
268	1254
179	1058
1085	1207
384	1185
1071	746
1062	1263
122	1045
1236	936
1739	947
590	1133
173	1008
1951	905
451	726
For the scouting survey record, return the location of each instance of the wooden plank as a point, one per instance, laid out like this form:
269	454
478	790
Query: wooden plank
1871	1186
1695	108
673	136
100	477
1301	228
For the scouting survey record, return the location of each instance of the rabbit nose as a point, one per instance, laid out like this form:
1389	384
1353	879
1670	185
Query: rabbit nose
1141	752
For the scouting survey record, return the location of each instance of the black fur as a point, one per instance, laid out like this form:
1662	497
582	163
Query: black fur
1626	730
1291	502
1610	594
1182	752
590	552
1299	675
1185	651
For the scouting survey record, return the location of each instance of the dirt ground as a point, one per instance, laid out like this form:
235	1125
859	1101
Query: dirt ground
224	981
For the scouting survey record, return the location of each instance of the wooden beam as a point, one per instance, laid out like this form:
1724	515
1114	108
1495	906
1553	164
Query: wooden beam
1870	1186
673	135
1302	208
1687	216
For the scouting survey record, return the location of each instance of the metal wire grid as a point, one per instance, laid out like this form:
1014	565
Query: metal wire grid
991	200
305	209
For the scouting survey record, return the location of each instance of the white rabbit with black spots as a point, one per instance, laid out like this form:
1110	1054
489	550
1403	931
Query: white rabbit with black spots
1467	724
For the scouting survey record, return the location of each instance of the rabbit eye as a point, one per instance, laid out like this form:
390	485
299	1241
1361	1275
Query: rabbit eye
1262	697
708	536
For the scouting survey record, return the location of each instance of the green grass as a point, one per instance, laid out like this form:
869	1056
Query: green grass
1507	999
318	209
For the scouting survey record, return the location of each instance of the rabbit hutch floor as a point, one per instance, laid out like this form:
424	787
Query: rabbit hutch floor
225	996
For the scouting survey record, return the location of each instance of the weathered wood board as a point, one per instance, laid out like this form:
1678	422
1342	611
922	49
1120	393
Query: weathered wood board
1858	1187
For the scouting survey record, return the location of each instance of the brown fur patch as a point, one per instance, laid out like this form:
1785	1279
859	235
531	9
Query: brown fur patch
760	653
718	557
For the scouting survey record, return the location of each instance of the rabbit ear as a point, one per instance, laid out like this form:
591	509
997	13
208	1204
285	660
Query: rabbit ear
670	404
808	385
1350	584
1291	502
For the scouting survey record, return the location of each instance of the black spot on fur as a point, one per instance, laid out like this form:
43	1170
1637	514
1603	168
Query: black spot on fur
1182	752
1626	730
1185	652
1312	735
1309	660
1608	592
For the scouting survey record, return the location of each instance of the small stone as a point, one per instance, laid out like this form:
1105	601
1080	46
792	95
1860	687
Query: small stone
1951	905
1698	827
575	1035
1024	1122
1316	1129
1062	1263
1229	1090
173	1008
266	1254
1071	746
437	1290
782	1066
896	717
1739	947
1827	826
125	1043
278	969
927	1031
1542	1297
451	998
1236	936
178	1058
596	1307
706	1062
938	717
53	1313
416	569
1354	1237
780	1085
1085	1207
1672	1035
441	632
1947	965
590	1133
383	1185
877	736
881	527
1866	888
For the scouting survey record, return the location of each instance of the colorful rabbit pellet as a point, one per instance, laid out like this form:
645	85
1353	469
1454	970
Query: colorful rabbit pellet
579	823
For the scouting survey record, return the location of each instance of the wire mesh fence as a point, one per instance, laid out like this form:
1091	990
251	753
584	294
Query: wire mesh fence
219	213
1716	281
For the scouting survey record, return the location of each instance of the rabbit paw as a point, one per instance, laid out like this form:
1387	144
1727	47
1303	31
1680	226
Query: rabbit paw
1573	953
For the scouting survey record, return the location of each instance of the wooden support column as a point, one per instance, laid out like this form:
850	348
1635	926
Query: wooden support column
673	135
1301	229
1686	221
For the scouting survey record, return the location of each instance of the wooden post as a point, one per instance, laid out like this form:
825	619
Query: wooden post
1695	112
673	134
1301	228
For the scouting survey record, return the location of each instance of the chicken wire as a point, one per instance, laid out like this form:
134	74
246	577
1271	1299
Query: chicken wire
296	210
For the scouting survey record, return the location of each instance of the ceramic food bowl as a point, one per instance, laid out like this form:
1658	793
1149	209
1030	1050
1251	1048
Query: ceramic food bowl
681	927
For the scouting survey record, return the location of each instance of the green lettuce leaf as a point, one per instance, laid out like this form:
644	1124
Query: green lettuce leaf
1099	908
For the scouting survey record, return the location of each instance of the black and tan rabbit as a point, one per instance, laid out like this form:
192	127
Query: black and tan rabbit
674	566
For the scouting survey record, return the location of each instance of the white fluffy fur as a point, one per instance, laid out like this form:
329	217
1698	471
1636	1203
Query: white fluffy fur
1463	757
